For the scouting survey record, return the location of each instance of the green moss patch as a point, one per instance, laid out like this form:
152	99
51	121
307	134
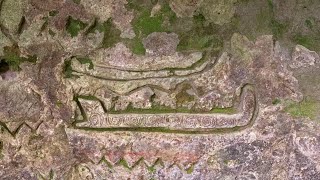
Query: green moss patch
74	26
85	60
190	169
194	32
306	108
198	42
309	41
144	24
111	33
200	36
229	110
76	1
67	69
13	58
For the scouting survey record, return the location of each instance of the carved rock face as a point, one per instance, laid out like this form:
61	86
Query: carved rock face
177	89
19	105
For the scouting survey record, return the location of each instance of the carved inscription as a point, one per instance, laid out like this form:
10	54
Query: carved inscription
176	121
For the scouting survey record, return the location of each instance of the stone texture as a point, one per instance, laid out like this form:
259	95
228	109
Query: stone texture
230	105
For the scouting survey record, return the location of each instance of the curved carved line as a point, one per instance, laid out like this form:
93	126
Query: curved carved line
236	122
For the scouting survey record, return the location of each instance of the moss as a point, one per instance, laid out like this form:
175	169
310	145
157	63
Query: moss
226	161
155	109
74	26
146	25
309	41
45	24
51	174
85	60
88	97
190	169
278	28
13	58
151	169
59	104
53	13
143	25
76	1
309	23
111	33
194	33
67	69
198	42
276	101
51	33
200	36
270	4
306	108
136	46
124	163
263	19
224	110
103	160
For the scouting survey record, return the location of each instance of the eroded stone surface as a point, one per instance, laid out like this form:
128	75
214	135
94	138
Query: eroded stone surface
182	91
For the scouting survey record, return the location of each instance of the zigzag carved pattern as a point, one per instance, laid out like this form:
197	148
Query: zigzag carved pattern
150	167
16	130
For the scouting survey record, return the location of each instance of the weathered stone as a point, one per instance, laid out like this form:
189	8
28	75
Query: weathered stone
303	57
242	102
11	14
161	44
218	11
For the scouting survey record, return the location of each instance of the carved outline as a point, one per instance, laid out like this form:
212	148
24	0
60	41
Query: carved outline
182	131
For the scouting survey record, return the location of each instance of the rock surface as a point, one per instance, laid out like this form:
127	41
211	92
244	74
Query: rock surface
172	89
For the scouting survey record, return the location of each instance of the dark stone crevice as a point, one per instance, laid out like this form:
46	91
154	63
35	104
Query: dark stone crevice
4	67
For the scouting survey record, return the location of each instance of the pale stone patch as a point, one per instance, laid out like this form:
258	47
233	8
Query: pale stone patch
241	47
4	41
218	11
303	57
100	8
11	14
121	57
